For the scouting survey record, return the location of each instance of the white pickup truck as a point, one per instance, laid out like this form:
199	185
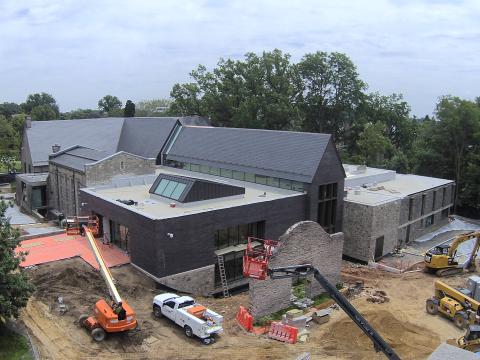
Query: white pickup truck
194	318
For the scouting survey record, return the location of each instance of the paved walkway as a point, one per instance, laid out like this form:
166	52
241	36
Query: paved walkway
17	217
58	247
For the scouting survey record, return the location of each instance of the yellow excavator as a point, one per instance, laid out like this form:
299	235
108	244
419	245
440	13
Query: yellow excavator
458	304
441	258
470	341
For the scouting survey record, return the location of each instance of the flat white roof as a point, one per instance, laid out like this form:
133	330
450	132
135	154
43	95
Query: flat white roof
372	198
159	208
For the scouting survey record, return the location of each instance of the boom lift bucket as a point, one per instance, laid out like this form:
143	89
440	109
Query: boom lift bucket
255	259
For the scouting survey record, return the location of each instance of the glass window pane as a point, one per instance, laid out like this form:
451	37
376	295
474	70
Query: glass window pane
297	186
238	175
195	167
226	173
272	181
260	179
163	184
250	177
243	234
178	191
233	236
186	166
205	169
222	238
214	171
169	189
285	184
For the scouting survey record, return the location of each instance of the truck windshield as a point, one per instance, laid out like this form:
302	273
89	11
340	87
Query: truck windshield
186	303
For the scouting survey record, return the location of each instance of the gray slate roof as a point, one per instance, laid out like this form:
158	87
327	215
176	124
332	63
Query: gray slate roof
77	157
284	154
140	136
145	136
101	134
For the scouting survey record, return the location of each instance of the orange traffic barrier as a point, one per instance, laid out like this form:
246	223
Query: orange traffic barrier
244	318
282	332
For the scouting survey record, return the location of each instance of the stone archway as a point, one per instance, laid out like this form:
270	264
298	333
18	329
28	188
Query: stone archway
304	242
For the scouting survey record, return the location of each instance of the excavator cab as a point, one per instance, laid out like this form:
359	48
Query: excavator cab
473	333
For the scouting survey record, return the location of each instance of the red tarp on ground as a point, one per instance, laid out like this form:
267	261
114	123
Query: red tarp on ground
52	248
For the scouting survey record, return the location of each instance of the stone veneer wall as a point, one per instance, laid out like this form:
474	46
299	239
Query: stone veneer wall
304	242
198	282
120	164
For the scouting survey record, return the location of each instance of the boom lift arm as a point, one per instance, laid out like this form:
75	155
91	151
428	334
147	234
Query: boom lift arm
304	270
106	274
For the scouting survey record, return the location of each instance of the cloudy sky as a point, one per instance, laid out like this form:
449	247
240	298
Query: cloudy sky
81	50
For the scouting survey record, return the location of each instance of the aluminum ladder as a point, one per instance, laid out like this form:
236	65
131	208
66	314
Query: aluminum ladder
223	276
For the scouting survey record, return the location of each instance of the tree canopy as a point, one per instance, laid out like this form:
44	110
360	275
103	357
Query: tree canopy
129	110
109	103
14	286
44	104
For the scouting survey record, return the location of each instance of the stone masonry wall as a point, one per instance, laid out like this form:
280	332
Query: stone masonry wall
122	164
64	190
198	282
357	227
304	242
386	218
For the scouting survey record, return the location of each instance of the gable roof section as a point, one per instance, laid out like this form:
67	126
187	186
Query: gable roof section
145	136
77	157
284	154
102	134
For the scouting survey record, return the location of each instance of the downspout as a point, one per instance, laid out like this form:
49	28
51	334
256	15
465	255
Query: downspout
74	194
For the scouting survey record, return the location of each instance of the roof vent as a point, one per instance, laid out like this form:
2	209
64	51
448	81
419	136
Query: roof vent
55	148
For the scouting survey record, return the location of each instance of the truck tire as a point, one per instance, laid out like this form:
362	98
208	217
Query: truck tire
98	334
81	319
431	307
208	340
157	311
188	331
460	321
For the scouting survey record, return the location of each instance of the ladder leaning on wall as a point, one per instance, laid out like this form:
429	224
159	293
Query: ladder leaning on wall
223	276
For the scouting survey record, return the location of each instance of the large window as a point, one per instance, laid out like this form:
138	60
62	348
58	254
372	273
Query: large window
233	267
236	235
429	221
119	235
39	197
170	189
327	206
231	236
240	175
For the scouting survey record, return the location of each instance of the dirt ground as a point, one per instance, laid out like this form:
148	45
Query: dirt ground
402	321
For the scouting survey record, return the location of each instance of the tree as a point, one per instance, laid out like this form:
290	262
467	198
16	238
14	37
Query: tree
447	146
14	286
373	144
109	103
332	91
129	110
153	107
43	112
41	99
9	109
82	114
257	92
9	137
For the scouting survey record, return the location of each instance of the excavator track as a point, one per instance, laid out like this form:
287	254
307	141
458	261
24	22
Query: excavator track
449	272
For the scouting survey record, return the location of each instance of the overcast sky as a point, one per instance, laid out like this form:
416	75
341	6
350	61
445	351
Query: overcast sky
79	51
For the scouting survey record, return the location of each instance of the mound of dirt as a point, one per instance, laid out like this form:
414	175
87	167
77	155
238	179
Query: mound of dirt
410	341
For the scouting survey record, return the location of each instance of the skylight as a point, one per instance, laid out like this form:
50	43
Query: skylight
170	189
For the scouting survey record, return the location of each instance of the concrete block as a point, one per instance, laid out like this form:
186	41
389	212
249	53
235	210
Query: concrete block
321	316
290	314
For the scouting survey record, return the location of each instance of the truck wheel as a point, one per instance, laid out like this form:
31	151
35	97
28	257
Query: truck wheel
431	307
208	341
81	319
188	331
157	311
460	321
98	334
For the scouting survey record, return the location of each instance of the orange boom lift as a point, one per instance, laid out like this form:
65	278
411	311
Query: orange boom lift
108	317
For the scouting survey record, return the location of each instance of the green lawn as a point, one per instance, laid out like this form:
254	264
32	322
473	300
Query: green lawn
13	346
